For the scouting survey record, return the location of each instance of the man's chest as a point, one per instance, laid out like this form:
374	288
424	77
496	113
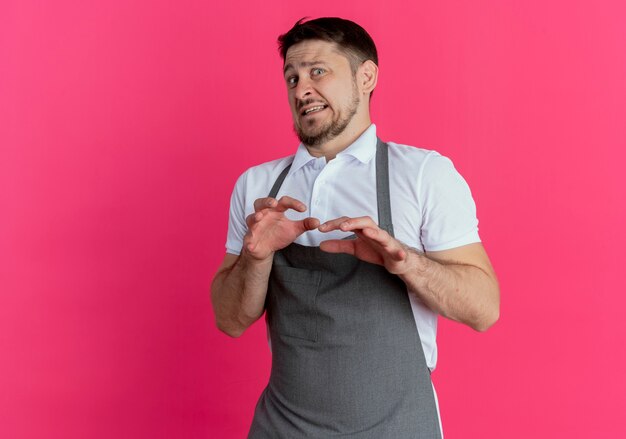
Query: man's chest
339	189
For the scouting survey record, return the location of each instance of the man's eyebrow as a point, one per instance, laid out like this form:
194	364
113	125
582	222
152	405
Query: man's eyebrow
302	64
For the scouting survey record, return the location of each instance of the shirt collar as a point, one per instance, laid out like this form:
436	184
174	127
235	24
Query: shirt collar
363	149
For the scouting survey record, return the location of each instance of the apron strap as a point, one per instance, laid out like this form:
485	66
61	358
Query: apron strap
279	182
382	187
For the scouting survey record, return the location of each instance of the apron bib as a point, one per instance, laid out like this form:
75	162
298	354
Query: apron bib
347	360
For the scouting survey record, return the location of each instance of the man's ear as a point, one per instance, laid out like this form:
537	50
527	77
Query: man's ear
368	76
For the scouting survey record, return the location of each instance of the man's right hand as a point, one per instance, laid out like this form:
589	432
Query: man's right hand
270	230
240	285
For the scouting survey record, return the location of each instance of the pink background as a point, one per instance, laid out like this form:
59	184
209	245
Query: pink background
123	126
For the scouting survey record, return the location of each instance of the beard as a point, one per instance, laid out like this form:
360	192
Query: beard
331	129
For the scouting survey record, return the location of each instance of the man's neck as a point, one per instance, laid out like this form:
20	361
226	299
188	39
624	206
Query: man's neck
337	144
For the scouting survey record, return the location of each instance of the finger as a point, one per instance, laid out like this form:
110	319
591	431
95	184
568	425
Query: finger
264	203
310	223
384	243
333	224
287	202
250	220
306	225
377	235
382	240
358	223
254	218
347	224
339	246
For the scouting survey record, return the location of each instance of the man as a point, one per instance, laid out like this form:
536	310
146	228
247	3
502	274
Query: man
351	247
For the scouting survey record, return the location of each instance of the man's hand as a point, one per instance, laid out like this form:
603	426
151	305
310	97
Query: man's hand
373	244
458	283
239	287
270	230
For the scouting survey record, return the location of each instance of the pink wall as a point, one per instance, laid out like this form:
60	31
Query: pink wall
123	126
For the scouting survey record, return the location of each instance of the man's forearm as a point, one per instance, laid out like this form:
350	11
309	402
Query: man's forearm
238	294
464	293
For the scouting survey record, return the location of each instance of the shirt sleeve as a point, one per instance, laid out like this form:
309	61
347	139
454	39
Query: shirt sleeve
448	209
237	217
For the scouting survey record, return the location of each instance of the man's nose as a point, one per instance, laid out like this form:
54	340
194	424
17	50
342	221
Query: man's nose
303	88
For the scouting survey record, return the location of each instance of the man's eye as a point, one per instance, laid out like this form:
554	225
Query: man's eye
318	71
292	80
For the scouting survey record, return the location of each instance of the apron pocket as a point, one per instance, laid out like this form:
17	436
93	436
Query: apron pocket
291	297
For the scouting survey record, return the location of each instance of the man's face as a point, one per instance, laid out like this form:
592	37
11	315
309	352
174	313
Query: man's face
323	93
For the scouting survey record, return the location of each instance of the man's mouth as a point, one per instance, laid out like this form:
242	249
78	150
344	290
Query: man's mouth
312	110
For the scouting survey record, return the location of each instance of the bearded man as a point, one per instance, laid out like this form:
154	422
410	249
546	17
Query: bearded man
351	247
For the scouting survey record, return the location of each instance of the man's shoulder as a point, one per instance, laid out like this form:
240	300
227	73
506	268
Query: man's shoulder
424	165
409	155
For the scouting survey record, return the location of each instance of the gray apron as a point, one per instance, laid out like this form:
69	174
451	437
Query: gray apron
347	360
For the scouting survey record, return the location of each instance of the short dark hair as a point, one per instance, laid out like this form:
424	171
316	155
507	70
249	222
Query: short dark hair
349	36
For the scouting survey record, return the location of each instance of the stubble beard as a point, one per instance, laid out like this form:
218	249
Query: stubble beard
331	129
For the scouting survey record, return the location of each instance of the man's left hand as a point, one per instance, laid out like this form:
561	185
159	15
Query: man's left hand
372	244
